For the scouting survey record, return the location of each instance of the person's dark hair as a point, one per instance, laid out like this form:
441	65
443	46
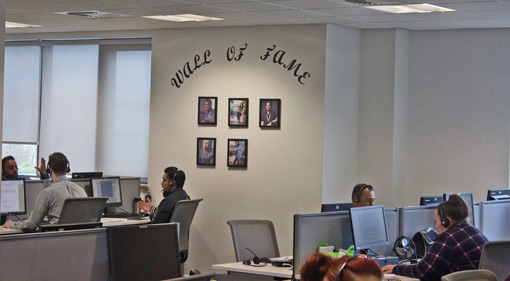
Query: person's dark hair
320	267
58	162
177	175
356	191
4	160
456	208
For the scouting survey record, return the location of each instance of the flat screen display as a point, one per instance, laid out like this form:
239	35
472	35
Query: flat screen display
126	245
107	187
498	194
12	196
368	226
430	200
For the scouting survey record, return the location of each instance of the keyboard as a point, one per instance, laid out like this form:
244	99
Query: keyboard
123	215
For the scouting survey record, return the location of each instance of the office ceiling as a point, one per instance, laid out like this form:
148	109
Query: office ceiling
470	14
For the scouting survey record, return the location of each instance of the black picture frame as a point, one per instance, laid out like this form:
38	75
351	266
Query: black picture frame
267	118
207	117
204	157
237	153
238	112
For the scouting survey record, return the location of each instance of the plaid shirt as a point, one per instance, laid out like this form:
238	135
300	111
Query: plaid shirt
456	249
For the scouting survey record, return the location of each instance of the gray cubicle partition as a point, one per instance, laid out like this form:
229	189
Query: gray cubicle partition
392	225
130	189
67	255
310	230
414	219
476	214
495	219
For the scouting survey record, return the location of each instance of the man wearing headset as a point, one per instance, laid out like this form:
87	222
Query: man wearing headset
363	195
173	182
10	169
51	199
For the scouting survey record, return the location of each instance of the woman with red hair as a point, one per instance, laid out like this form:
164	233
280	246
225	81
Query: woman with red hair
320	267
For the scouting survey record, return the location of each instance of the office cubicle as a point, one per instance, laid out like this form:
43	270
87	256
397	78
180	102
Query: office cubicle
414	219
392	225
495	219
66	255
310	230
130	189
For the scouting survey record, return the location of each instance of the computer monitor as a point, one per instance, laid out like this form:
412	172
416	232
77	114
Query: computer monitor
468	197
86	175
13	197
368	225
498	194
430	200
335	207
107	187
126	243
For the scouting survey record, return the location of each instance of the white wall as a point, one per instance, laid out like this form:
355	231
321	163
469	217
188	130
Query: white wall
459	101
341	102
284	166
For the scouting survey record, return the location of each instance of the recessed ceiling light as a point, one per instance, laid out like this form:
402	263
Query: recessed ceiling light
182	18
18	25
413	8
92	14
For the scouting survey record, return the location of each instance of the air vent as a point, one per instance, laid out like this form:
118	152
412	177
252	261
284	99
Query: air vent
92	14
378	2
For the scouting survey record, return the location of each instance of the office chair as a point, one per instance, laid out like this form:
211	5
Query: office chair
258	235
471	275
495	256
183	213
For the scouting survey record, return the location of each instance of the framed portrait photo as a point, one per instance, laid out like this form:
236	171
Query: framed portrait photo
237	153
207	108
270	113
238	112
206	151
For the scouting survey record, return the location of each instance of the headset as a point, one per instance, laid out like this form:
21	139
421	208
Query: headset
337	278
444	220
256	259
48	165
173	178
357	198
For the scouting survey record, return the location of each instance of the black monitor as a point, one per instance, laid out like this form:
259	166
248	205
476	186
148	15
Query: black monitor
126	243
86	175
368	225
335	207
430	200
107	187
498	194
468	197
13	197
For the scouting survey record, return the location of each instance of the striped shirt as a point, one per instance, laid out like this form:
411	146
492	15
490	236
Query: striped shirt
456	249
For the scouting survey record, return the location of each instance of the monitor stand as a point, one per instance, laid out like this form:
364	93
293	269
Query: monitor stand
380	259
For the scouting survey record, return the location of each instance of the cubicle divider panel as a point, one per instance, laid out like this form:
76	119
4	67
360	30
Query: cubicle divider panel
476	214
310	230
495	219
414	219
67	255
392	225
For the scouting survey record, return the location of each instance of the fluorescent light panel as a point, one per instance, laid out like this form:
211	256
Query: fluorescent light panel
413	8
9	24
183	17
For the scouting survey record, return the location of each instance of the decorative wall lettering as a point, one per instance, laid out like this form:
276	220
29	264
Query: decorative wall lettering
278	58
188	70
231	52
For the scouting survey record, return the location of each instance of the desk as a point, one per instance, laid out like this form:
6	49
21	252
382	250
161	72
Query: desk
268	272
117	221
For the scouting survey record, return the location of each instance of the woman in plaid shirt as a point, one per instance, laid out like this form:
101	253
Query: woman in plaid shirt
457	247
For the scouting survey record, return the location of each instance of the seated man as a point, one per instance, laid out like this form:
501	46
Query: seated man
10	169
51	199
363	195
173	182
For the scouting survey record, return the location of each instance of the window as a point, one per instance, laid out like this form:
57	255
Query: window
90	101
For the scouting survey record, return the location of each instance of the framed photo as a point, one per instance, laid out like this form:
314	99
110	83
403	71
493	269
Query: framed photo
207	108
238	112
206	151
237	153
269	113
